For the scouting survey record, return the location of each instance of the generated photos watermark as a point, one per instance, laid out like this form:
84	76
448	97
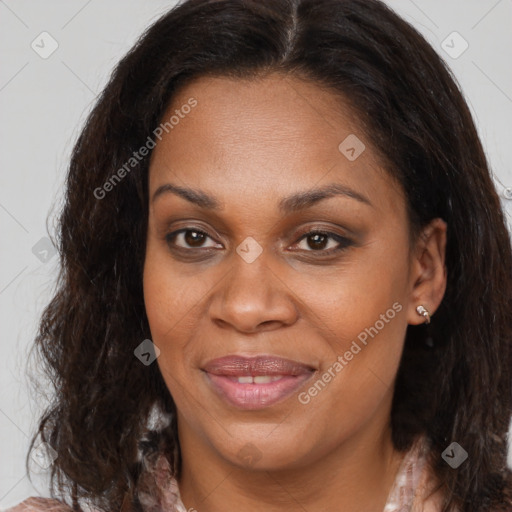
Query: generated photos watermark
305	397
144	150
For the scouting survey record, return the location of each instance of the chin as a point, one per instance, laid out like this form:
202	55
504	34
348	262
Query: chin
263	452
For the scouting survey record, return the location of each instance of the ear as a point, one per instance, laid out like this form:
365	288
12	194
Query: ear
428	271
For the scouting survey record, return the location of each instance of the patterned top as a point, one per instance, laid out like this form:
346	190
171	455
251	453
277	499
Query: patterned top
406	495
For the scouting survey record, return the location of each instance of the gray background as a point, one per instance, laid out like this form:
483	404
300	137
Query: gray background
44	101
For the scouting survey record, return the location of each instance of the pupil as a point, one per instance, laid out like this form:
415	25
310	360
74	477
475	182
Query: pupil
193	240
318	241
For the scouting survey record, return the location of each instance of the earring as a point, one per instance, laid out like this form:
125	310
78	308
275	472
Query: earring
423	312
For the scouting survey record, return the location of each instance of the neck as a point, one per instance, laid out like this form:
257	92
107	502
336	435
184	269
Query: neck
356	475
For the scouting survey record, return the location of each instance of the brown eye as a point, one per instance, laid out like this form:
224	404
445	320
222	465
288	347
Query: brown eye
188	238
194	238
324	242
317	241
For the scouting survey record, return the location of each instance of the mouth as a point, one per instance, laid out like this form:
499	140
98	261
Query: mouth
255	382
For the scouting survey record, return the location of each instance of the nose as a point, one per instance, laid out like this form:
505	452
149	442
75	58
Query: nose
253	297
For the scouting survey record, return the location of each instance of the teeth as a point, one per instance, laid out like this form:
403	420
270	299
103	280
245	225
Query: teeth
259	379
264	379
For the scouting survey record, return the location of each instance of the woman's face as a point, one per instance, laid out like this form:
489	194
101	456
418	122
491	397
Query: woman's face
235	186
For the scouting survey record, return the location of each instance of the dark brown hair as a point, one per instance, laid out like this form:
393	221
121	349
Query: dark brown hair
454	381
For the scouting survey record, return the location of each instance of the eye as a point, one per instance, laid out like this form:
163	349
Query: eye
324	242
190	238
318	241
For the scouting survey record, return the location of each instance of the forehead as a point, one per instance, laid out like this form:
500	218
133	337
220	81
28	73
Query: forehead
275	134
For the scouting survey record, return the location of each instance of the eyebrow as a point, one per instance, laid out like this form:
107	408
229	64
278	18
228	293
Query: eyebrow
288	204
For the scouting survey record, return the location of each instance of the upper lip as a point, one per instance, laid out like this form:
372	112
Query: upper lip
239	366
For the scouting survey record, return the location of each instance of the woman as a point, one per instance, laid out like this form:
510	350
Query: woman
282	243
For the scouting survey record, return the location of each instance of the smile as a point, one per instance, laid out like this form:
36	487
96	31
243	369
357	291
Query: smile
255	383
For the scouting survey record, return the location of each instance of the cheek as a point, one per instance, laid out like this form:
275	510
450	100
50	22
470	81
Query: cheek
165	306
361	313
358	367
170	297
173	300
351	300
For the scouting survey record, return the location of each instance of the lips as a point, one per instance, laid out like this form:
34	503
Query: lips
238	366
255	382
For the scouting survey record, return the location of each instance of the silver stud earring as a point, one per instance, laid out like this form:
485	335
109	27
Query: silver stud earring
423	312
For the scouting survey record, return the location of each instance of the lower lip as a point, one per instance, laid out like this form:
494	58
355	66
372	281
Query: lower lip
256	396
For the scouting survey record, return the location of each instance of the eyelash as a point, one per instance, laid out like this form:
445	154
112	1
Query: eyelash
344	243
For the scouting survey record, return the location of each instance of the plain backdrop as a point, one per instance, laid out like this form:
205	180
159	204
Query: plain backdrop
44	100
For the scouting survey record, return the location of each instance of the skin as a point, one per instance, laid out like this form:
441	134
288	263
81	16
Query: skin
249	144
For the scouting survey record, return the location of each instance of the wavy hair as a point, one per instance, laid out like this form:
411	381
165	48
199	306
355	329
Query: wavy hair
454	379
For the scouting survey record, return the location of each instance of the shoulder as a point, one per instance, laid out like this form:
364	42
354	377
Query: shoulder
35	504
415	488
38	504
429	493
